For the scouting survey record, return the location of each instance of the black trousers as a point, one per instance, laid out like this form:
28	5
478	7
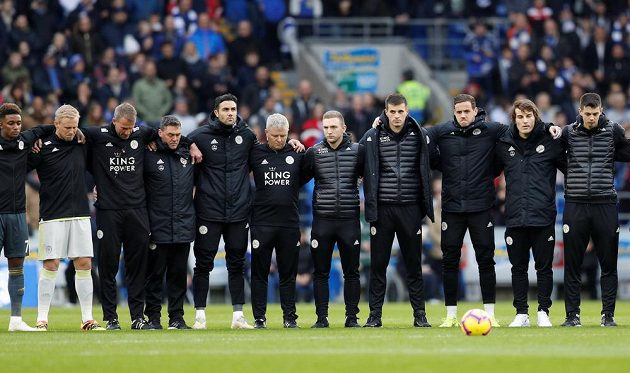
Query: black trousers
542	242
599	222
481	229
347	235
206	248
286	241
129	229
406	223
170	260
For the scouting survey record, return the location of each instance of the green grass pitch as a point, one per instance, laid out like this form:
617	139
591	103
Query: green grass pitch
395	347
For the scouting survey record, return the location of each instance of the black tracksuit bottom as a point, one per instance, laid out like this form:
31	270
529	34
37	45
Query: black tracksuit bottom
405	222
286	242
206	247
129	229
542	242
170	259
347	235
481	229
599	222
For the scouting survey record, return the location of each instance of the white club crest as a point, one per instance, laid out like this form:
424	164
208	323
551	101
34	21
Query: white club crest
289	159
255	244
540	148
99	234
238	139
476	132
373	231
444	226
21	145
314	244
508	240
565	228
183	161
134	144
203	229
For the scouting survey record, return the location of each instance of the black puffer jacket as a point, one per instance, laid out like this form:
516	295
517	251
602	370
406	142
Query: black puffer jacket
466	161
169	182
591	155
223	189
336	173
372	169
530	174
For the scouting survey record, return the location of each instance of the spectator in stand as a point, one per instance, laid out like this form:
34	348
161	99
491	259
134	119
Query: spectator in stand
136	67
311	132
14	70
617	68
255	94
60	49
547	111
185	17
520	33
170	65
95	115
480	57
49	77
356	118
243	44
20	32
117	28
538	13
114	87
303	104
218	79
36	114
169	33
273	11
82	100
181	112
182	91
597	53
207	40
86	41
195	67
74	76
151	95
107	61
246	74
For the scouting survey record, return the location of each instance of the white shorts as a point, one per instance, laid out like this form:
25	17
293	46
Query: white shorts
71	238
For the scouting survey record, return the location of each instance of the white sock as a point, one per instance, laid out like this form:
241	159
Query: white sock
45	290
451	311
85	291
200	314
489	307
237	314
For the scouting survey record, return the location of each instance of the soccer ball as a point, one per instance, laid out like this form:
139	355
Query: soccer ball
476	322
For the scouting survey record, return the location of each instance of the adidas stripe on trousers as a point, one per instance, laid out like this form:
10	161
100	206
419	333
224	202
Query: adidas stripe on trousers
346	233
542	242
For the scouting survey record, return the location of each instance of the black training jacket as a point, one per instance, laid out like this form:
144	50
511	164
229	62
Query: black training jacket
13	164
169	181
223	191
336	173
117	166
61	166
590	160
466	160
530	166
277	175
372	164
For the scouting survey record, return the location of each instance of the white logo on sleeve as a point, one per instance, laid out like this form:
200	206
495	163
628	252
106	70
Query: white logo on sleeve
160	161
412	133
109	144
356	242
297	244
290	160
99	234
314	244
509	241
419	231
566	228
55	150
264	162
21	145
214	141
373	231
48	143
369	139
428	140
550	239
444	226
489	225
1	147
255	244
476	132
152	246
238	139
104	130
540	148
617	231
203	229
134	144
183	161
246	225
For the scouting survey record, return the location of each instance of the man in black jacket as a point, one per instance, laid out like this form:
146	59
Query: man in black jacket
397	197
275	220
529	157
336	164
65	230
593	144
117	161
466	151
169	182
14	149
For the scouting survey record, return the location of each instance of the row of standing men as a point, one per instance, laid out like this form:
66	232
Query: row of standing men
145	201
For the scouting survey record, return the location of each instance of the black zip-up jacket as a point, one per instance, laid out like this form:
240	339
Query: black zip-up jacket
336	173
590	160
466	157
372	170
61	167
169	181
530	175
13	164
277	175
223	191
117	166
